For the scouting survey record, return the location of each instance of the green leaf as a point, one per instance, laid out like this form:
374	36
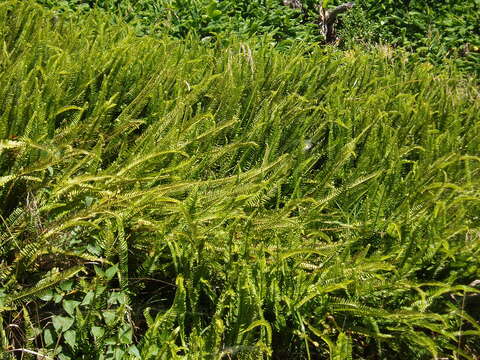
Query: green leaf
67	108
66	285
94	249
99	271
261	323
57	298
58	350
70	338
126	335
48	296
110	317
62	323
111	271
57	323
132	350
110	341
48	337
88	201
343	348
117	298
119	354
87	300
70	305
5	179
97	332
99	290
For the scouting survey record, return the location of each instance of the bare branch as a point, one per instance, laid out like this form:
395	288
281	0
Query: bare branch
39	356
332	14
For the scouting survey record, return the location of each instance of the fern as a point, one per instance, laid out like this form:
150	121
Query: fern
151	173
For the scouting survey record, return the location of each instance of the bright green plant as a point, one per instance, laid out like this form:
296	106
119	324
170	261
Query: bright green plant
165	199
208	19
434	30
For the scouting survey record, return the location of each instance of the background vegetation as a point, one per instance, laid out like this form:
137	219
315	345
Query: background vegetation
434	31
166	198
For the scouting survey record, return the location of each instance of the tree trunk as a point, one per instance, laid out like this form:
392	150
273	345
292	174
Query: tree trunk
328	20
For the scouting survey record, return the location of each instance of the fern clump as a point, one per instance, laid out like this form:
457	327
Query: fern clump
161	198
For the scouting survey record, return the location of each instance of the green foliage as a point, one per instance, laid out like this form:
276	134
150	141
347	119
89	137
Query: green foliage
433	30
165	199
208	19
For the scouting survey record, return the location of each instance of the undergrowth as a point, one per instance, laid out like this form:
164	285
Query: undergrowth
164	199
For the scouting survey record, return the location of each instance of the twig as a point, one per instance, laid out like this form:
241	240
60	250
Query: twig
461	325
152	279
39	356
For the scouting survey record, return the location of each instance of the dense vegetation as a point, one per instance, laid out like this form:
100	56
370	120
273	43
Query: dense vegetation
165	198
431	30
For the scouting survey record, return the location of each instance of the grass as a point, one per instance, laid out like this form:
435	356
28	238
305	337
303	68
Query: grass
165	198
